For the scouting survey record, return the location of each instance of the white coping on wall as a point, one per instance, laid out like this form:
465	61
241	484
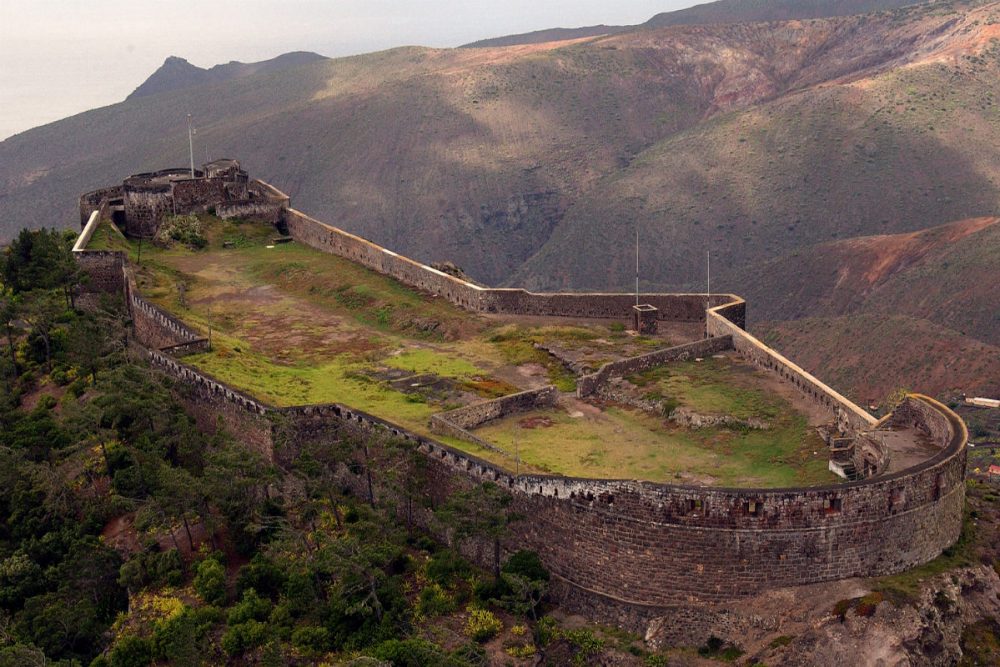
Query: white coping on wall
843	401
88	231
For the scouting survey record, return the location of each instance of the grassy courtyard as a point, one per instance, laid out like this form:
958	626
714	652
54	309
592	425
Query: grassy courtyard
293	326
609	441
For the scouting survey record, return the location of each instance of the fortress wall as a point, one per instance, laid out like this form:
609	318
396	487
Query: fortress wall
251	209
195	196
213	404
157	329
92	200
643	544
329	239
754	351
145	205
588	384
105	270
323	237
262	189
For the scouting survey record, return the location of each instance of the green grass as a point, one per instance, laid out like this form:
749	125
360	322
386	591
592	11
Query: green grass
629	444
713	386
292	326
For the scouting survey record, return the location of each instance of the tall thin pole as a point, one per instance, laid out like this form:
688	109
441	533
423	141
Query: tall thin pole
708	273
637	262
191	144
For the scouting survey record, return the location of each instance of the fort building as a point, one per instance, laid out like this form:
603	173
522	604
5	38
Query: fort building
890	491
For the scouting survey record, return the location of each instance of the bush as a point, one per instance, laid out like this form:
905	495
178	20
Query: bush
210	581
435	601
482	625
445	566
410	653
262	575
585	642
179	639
185	229
528	565
311	639
240	638
131	651
251	607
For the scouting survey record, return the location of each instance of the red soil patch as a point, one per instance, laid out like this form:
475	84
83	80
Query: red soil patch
535	422
891	253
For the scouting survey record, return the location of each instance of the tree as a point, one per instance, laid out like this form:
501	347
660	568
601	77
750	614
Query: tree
41	311
480	512
8	315
41	260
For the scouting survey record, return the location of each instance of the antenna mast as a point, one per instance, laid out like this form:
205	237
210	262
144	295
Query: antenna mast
637	262
708	289
191	144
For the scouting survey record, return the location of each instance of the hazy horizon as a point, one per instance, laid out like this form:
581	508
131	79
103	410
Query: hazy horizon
62	60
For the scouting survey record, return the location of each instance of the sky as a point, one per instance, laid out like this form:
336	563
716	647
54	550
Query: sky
61	57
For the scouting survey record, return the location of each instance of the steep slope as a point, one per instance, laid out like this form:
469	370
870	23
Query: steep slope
906	139
176	73
949	275
870	355
748	11
721	11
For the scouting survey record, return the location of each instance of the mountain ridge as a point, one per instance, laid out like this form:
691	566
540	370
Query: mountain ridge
177	73
719	11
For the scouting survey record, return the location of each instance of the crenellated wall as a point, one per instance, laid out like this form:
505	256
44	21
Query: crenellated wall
656	545
156	329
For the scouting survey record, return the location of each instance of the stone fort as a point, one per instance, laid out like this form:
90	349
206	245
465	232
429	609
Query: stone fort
621	551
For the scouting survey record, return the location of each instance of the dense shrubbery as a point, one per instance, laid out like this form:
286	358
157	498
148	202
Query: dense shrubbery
185	229
107	444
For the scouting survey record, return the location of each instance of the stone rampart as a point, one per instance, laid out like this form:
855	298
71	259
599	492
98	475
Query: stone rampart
215	405
754	351
326	238
588	384
157	329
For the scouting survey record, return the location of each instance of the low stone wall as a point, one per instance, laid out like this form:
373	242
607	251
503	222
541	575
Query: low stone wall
588	384
458	423
754	351
477	414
